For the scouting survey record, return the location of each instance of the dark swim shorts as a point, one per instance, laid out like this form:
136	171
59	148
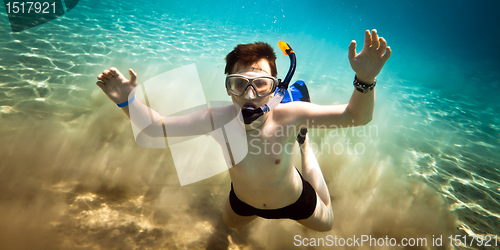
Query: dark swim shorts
303	208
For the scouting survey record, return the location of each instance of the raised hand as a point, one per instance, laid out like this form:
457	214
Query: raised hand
368	63
114	84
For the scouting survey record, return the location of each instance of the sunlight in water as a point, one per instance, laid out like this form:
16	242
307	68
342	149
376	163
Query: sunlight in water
73	177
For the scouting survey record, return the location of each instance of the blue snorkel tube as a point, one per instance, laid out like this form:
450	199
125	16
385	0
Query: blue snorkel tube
250	115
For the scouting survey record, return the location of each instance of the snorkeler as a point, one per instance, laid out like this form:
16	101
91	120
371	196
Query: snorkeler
266	184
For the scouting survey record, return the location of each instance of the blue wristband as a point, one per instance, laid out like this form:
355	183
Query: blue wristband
125	104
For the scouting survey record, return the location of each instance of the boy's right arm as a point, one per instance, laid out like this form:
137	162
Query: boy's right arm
118	88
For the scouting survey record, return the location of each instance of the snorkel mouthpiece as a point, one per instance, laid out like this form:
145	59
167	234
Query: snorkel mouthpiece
250	115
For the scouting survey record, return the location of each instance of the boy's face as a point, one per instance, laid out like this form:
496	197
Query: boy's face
249	97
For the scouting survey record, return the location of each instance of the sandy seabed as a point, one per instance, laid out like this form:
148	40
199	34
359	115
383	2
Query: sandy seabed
85	184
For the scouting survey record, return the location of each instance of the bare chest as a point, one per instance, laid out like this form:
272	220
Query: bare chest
269	157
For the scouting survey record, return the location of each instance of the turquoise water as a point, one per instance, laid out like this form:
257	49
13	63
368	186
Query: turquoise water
72	177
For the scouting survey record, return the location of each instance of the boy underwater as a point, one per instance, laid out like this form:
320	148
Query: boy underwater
266	184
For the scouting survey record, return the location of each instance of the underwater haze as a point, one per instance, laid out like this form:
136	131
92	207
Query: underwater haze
72	176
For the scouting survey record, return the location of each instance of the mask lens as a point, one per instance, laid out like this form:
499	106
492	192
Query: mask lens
237	84
263	85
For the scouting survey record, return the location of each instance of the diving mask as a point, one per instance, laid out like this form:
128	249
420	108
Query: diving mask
264	85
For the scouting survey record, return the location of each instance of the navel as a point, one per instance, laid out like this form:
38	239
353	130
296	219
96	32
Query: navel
277	161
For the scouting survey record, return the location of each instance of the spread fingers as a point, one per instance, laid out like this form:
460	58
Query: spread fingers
383	45
375	41
107	74
102	78
114	72
100	84
368	40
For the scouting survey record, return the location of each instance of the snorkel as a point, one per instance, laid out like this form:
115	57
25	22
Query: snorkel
250	115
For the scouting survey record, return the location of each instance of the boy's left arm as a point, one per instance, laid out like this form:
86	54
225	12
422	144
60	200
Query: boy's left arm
359	111
367	65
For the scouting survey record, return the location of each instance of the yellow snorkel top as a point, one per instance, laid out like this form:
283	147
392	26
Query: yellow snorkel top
285	48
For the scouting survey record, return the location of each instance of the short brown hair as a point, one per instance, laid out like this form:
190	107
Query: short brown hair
247	54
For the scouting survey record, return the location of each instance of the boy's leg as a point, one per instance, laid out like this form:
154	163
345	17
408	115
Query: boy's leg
312	172
233	220
322	218
310	167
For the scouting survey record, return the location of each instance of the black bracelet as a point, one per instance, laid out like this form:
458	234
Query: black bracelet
363	87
